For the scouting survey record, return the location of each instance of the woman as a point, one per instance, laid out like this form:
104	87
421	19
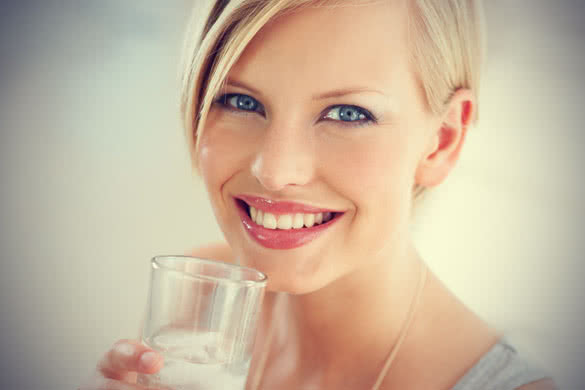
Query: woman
316	126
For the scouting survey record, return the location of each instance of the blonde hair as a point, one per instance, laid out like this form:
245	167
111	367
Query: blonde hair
447	50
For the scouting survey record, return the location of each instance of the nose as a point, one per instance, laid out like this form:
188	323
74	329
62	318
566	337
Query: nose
285	157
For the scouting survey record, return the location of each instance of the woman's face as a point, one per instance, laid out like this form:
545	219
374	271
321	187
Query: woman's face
321	113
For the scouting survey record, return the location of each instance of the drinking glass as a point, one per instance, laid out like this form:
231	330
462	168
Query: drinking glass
202	316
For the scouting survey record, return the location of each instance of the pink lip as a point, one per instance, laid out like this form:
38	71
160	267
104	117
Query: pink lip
281	239
276	207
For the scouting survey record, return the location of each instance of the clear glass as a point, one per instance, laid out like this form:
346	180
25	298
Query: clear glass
202	317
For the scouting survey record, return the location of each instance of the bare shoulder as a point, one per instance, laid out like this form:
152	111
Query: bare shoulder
216	251
543	384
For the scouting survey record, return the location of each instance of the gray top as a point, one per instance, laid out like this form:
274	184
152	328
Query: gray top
501	368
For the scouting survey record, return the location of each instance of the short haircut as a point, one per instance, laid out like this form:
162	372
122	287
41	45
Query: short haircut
446	37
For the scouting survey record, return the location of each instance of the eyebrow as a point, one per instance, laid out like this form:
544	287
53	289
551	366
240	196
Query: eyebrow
238	84
344	92
321	96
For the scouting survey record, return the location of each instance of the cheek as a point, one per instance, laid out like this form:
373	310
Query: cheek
370	165
222	153
213	167
221	156
376	175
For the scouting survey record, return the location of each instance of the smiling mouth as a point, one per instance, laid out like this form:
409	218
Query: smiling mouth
283	221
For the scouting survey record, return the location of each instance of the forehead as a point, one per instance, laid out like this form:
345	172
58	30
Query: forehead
319	48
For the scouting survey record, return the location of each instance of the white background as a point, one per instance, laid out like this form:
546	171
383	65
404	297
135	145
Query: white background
95	179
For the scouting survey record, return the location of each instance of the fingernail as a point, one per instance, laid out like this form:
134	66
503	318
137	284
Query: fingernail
125	349
148	359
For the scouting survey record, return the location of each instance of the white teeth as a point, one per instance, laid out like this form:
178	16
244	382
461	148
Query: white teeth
285	222
269	221
288	221
309	220
318	218
259	217
298	221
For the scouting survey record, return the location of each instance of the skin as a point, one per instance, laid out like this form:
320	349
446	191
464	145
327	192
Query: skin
349	290
366	262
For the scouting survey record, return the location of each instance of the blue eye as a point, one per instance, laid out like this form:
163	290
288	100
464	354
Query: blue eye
240	102
346	115
352	115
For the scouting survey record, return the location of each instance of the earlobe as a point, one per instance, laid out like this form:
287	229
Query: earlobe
446	142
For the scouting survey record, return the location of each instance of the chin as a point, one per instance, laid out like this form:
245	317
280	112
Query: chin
290	271
295	286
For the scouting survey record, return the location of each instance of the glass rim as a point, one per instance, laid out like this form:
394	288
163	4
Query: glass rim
156	263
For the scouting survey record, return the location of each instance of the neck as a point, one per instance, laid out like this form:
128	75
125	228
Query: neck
356	319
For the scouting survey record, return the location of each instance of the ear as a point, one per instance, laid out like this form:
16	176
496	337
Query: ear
445	143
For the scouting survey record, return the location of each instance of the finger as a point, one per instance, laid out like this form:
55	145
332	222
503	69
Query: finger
111	384
129	356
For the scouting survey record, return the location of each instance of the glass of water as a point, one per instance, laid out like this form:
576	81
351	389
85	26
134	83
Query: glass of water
202	316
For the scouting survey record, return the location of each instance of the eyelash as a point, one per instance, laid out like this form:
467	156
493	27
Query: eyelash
369	118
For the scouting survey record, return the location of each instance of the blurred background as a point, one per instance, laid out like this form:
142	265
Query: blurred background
95	179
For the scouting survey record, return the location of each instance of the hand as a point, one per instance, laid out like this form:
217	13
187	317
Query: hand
119	367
